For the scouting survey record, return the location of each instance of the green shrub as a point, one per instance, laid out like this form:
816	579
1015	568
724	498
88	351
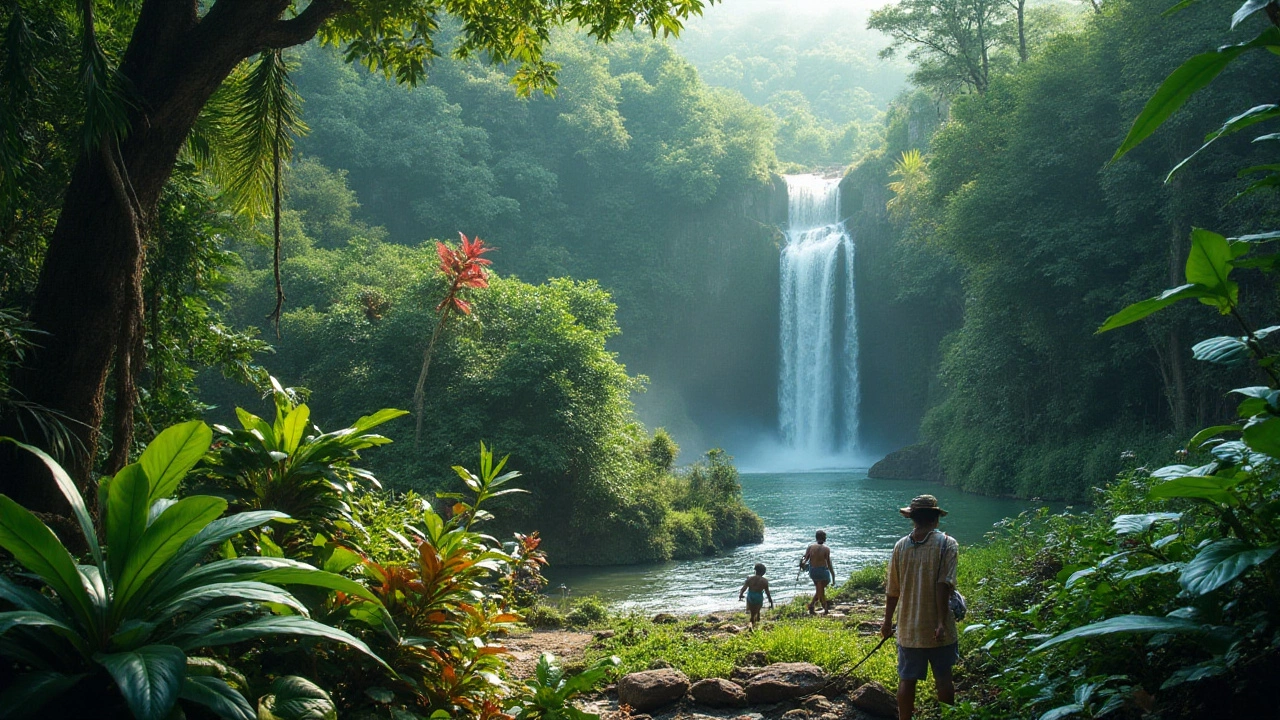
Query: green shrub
866	580
127	624
587	612
544	616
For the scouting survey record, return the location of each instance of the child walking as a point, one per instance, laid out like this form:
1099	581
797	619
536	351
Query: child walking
756	588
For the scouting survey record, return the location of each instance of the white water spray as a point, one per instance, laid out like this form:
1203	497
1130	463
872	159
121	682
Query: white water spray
818	384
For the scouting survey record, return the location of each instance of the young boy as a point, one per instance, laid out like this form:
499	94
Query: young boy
756	589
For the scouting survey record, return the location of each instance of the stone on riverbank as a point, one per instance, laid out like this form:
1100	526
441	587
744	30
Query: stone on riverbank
665	619
743	674
718	693
873	699
785	681
652	689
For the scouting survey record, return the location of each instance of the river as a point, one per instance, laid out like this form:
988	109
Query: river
859	514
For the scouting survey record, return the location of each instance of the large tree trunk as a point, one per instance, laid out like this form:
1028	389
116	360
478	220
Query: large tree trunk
84	299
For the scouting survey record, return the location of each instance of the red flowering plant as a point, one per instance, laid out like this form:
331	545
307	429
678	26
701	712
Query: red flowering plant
463	267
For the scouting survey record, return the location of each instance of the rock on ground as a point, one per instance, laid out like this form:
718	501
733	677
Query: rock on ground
652	689
785	681
873	699
718	693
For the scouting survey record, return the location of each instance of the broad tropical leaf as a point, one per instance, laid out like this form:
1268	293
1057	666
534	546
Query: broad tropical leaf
37	549
171	455
215	694
1207	487
162	541
287	625
149	678
1192	76
1132	524
296	698
1220	562
1223	350
1140	310
128	507
1124	624
1264	437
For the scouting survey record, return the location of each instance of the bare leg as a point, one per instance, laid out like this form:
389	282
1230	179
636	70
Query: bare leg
821	598
906	699
946	686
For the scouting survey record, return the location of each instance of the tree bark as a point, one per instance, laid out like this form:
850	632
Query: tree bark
84	299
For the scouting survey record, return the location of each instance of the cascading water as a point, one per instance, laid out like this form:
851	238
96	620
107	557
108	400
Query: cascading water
818	383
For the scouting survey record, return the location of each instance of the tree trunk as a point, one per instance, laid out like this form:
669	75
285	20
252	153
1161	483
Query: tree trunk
84	298
1022	31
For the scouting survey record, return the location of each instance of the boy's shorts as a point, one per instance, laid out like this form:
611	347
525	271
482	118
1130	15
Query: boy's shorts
914	663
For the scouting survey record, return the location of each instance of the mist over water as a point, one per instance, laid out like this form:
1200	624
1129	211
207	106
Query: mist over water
818	393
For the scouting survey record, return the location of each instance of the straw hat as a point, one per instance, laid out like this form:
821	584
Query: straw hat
922	502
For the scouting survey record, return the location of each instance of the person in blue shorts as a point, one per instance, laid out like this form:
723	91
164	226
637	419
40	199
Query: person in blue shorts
818	559
921	576
756	588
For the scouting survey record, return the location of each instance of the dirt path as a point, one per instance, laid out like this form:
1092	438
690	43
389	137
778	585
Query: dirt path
528	647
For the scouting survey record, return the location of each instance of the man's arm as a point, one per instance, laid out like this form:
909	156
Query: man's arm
943	599
890	606
768	595
742	590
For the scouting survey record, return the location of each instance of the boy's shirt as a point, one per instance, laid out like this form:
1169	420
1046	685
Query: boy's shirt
914	574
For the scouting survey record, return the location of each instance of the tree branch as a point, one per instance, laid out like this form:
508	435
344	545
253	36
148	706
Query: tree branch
300	29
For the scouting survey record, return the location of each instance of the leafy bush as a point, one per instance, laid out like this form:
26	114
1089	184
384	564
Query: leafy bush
290	465
543	616
587	612
866	580
127	623
551	691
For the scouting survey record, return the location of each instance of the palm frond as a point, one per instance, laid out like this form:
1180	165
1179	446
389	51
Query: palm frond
105	89
257	122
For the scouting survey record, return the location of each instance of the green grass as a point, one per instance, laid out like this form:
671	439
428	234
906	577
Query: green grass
833	644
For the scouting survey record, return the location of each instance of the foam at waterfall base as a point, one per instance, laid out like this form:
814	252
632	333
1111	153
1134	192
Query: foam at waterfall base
771	455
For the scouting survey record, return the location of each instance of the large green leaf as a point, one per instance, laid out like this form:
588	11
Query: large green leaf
171	455
1140	310
36	548
284	625
252	422
25	598
1252	116
371	421
1132	524
68	488
149	678
1248	8
244	590
27	618
162	541
294	428
1264	437
1124	624
315	578
1220	562
128	505
29	692
296	698
1222	350
1207	487
198	547
1194	74
1196	442
1209	264
215	694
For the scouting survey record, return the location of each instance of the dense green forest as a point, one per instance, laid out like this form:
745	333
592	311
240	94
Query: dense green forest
1012	237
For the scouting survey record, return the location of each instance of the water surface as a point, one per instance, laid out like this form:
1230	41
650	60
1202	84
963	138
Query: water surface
860	517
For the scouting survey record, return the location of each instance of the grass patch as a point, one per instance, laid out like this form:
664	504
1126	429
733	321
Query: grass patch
831	643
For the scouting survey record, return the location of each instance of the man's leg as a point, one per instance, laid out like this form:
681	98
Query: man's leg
906	699
946	686
821	598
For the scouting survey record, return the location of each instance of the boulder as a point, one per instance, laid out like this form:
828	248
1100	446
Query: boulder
664	619
797	714
914	462
744	673
652	689
818	704
605	634
873	699
785	681
718	693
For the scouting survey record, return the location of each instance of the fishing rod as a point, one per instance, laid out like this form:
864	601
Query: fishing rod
845	674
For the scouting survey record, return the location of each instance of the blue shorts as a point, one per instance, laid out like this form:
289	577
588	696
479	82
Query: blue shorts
820	575
914	663
755	599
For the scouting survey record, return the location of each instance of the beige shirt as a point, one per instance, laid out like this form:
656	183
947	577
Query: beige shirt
914	574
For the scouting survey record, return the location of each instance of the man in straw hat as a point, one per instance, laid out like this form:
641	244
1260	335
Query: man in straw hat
922	573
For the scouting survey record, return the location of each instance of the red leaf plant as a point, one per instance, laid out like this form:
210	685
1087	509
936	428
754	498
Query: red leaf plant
463	268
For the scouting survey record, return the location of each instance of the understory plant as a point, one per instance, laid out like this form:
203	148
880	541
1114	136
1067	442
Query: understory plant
290	465
130	631
551	691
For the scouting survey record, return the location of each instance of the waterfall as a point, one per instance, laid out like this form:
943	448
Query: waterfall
818	379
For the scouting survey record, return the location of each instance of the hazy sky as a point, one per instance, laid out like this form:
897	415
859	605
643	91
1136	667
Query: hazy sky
796	7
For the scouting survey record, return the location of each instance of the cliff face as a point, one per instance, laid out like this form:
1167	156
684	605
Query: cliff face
902	318
713	371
